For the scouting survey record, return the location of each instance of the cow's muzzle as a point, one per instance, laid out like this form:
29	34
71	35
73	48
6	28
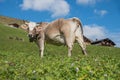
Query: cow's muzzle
32	37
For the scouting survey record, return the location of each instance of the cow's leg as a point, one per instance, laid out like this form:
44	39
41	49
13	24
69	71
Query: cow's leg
79	39
69	40
40	42
82	45
69	49
41	47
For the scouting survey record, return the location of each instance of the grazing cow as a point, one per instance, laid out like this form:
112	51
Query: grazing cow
65	31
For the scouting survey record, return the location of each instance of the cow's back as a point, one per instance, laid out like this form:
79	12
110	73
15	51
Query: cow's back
54	28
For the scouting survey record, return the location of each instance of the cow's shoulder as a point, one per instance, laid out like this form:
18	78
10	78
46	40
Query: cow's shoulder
42	24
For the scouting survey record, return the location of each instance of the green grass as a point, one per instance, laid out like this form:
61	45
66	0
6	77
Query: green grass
19	60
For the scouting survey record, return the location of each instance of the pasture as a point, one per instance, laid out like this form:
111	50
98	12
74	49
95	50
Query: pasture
19	60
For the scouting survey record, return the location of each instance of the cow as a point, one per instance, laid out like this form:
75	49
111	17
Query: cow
64	31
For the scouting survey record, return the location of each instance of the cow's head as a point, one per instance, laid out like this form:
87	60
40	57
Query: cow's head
30	27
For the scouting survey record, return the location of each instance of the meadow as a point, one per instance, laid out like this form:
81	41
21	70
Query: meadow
19	60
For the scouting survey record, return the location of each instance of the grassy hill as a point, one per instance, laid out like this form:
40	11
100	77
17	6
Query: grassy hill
9	20
19	60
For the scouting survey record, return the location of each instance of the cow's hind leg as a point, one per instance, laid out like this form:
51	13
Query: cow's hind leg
79	39
82	45
69	40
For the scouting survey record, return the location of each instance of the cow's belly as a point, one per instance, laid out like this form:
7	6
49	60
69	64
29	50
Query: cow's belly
57	40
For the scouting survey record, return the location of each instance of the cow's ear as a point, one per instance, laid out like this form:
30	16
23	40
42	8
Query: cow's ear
24	27
38	29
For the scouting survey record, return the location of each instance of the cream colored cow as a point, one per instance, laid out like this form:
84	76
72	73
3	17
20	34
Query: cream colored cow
65	31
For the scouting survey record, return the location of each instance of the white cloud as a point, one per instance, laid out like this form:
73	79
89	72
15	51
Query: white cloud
94	31
57	7
87	2
100	12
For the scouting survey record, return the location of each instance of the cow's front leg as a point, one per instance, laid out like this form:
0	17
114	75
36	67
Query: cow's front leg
69	50
41	38
41	47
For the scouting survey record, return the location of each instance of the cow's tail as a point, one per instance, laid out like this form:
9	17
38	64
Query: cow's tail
79	24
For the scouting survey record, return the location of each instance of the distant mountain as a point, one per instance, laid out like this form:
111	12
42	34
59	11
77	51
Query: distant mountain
9	20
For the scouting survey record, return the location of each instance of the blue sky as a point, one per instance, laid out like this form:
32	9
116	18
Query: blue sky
100	18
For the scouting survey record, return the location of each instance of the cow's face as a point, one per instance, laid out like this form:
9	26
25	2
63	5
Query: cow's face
30	28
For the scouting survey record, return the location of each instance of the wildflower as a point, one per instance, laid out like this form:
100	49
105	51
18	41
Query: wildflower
33	71
90	71
77	69
96	60
105	75
6	61
72	64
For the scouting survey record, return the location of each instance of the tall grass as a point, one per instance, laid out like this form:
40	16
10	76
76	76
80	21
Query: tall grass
19	60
